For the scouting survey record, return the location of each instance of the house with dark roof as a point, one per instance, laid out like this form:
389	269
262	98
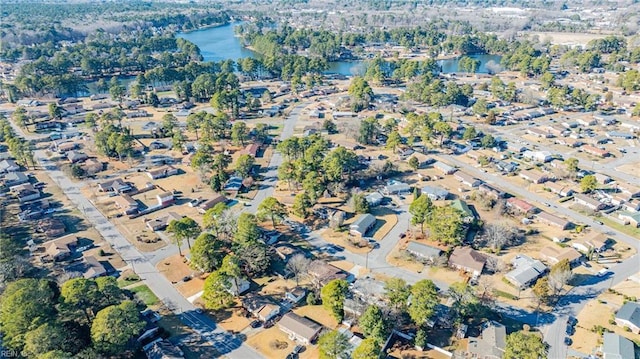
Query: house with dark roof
468	259
322	272
210	203
260	307
300	329
61	248
163	349
491	343
629	316
93	268
51	227
615	346
362	225
526	271
116	185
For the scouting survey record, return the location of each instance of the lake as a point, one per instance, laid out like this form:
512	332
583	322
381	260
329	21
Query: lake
220	43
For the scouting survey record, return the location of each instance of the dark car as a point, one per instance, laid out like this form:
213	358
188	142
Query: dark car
403	234
567	341
256	324
186	278
268	324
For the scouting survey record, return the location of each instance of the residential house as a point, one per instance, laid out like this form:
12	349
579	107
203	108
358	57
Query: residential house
396	187
632	218
285	251
296	295
369	290
65	147
76	157
520	205
629	316
615	346
163	349
15	178
490	190
261	307
93	268
251	150
630	189
116	185
362	225
92	166
126	203
238	286
467	179
559	188
25	192
539	132
602	178
160	223
165	198
422	251
234	184
300	329
533	176
444	168
374	199
554	220
526	271
554	254
468	260
162	172
587	201
491	343
217	198
61	248
7	166
595	241
435	193
353	339
322	272
538	156
51	227
468	215
595	151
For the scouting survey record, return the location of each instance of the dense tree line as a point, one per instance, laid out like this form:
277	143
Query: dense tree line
77	319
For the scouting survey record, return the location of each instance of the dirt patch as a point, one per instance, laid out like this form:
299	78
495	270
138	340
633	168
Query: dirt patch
319	314
175	268
233	320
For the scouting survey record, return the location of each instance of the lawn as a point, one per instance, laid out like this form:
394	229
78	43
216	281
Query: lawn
145	294
629	230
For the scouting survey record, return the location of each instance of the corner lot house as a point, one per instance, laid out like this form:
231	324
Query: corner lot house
362	225
300	329
491	342
423	251
629	316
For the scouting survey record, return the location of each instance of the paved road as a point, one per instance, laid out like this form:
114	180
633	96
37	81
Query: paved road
224	343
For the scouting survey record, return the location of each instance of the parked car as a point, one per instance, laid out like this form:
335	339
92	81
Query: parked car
298	349
256	324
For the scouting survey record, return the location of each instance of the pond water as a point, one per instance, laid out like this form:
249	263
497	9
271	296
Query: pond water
220	43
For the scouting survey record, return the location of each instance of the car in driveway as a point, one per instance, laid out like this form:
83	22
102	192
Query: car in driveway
256	324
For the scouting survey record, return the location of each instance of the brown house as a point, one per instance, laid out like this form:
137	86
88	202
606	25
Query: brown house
467	259
51	227
322	272
61	248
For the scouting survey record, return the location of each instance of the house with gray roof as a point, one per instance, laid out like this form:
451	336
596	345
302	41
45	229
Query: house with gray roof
615	346
374	199
491	342
526	271
629	316
396	187
8	165
435	193
444	168
423	251
362	225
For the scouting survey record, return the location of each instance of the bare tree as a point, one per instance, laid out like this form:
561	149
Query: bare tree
494	265
298	266
558	279
499	235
